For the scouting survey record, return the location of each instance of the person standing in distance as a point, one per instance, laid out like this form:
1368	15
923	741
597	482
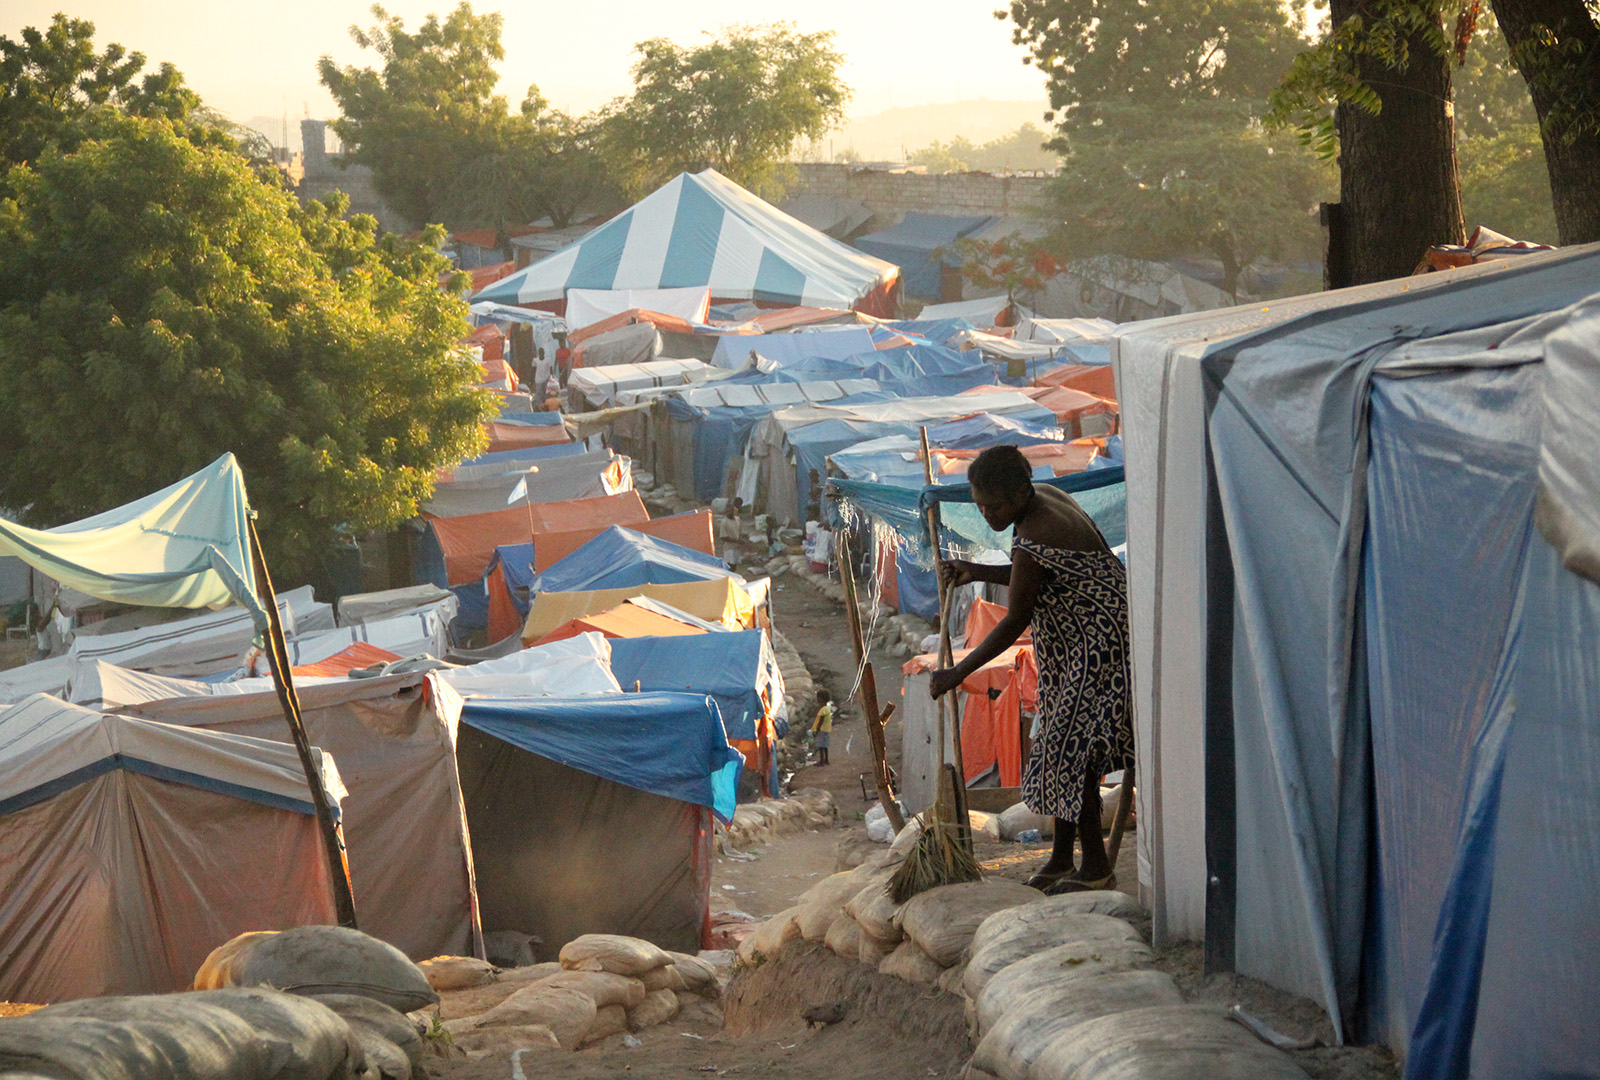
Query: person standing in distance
822	726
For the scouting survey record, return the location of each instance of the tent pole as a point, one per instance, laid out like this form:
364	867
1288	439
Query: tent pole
868	690
1119	820
946	655
283	681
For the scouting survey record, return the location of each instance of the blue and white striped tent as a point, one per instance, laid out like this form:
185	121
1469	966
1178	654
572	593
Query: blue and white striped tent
703	230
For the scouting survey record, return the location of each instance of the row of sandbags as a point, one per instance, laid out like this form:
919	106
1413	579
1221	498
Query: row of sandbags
604	985
315	1003
763	821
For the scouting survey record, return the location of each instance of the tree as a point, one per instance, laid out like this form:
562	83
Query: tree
1555	44
1014	263
1021	151
53	78
737	104
160	305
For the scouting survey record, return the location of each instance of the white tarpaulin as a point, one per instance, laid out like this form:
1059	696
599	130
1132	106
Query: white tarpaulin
585	307
573	667
602	385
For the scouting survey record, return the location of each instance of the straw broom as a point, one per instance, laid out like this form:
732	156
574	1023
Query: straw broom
943	854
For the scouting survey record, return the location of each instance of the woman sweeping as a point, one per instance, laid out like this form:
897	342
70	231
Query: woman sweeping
1065	580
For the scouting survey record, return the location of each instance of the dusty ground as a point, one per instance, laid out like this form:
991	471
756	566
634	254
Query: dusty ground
892	1030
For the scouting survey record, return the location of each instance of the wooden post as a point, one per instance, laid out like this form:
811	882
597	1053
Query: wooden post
946	658
1120	820
283	681
868	692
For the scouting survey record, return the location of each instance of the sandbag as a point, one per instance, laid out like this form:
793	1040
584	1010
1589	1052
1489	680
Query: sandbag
1008	936
603	987
485	1042
1056	967
771	935
1163	1043
699	976
608	1020
565	1011
875	912
822	903
385	1060
942	920
907	838
910	963
616	953
456	972
179	1042
872	952
529	974
844	938
664	978
984	826
950	980
334	960
1019	819
365	1015
308	1040
659	1006
1037	1018
216	971
1099	902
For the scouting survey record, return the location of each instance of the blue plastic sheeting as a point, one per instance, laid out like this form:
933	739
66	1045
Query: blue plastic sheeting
733	350
913	243
621	558
1326	625
725	666
672	745
531	453
938	331
533	419
907	371
472	605
986	429
918	586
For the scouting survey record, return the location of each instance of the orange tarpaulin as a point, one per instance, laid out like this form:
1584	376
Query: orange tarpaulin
1062	458
667	323
691	530
1096	379
468	542
357	655
720	600
626	620
1072	408
505	435
991	717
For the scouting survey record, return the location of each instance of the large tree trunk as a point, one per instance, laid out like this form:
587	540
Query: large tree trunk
1398	186
1574	162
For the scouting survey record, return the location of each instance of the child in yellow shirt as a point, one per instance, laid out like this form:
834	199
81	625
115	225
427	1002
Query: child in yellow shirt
822	726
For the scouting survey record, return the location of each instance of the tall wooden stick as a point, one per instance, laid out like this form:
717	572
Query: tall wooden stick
868	690
946	657
283	681
1119	820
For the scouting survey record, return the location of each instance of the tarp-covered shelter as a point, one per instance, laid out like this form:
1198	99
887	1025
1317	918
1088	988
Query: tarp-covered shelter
585	307
592	475
781	350
921	245
703	230
394	739
738	670
1364	680
992	704
461	547
576	667
593	815
600	386
691	529
629	619
130	848
720	600
621	558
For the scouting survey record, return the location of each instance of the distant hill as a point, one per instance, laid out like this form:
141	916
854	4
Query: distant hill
894	133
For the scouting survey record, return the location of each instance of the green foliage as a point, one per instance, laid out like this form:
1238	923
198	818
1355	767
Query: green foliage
53	79
1021	151
1115	53
1505	185
1491	97
738	104
160	305
1195	180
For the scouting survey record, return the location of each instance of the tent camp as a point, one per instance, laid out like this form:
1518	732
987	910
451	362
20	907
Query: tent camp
920	245
565	479
394	740
599	387
129	849
632	618
621	558
457	550
585	307
1362	746
703	230
738	670
561	793
720	600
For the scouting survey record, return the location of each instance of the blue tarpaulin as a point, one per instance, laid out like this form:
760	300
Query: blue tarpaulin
906	371
672	745
920	245
620	558
733	350
510	458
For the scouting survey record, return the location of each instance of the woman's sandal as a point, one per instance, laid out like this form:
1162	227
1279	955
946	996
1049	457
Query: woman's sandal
1044	882
1066	883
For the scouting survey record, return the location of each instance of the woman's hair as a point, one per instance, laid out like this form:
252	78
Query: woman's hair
1001	470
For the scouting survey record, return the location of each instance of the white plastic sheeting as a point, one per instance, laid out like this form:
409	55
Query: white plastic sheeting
573	667
585	307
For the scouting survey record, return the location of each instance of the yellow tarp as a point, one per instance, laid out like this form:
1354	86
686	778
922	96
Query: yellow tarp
720	600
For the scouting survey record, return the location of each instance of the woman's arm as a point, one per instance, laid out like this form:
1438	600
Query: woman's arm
1027	578
961	572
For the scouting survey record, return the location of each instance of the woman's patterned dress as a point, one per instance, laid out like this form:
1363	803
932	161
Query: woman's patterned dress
1080	641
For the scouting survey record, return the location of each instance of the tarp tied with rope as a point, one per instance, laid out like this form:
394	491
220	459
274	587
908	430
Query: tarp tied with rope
184	546
903	511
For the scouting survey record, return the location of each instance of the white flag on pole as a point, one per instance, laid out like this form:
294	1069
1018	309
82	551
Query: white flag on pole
518	492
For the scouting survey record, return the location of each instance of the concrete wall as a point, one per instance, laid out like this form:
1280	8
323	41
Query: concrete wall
892	194
325	173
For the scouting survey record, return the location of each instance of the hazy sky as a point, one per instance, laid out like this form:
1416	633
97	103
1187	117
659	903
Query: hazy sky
253	59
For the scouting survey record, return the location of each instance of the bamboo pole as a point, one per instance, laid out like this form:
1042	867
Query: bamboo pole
946	659
283	681
1119	821
868	690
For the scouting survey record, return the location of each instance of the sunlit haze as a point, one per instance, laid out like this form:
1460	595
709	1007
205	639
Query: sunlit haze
259	60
